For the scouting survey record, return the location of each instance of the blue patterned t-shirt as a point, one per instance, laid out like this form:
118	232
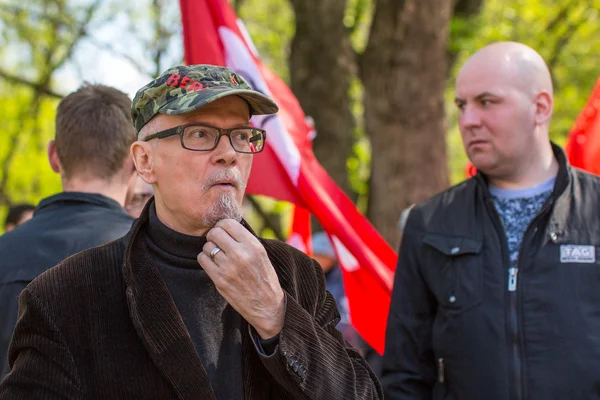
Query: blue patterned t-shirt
517	208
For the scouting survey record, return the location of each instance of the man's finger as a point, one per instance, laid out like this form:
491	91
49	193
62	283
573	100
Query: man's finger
209	247
234	229
212	269
221	238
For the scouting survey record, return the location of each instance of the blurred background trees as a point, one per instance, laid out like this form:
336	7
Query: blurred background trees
376	76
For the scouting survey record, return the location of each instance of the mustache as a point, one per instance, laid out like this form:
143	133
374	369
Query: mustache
231	176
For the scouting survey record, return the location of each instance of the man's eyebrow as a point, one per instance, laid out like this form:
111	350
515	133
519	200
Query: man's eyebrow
485	94
478	97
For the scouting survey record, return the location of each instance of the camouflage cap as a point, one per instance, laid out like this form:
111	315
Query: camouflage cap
182	89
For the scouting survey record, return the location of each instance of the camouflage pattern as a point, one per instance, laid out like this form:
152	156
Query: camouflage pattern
182	89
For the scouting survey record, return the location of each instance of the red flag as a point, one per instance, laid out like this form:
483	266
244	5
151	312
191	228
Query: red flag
288	170
300	236
583	147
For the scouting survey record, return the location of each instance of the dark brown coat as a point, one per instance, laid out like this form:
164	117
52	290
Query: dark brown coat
102	325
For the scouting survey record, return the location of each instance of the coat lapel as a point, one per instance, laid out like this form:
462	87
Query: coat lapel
158	323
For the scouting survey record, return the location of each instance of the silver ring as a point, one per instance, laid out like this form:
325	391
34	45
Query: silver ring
214	252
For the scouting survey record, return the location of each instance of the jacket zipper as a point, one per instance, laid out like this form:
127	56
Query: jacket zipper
440	370
512	310
514	331
512	296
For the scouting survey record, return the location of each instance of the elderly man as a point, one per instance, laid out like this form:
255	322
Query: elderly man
190	304
496	292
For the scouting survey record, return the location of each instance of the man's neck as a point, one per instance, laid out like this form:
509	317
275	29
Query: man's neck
172	220
114	190
534	172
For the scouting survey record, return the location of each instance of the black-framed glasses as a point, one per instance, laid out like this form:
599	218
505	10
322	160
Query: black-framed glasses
197	137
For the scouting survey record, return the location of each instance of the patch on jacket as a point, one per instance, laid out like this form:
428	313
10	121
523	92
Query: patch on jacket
570	253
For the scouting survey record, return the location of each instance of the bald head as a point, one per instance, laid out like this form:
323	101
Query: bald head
504	97
515	62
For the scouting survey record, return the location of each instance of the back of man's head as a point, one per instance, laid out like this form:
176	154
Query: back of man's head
93	132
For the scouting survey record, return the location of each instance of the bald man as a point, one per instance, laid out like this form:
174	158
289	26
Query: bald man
497	290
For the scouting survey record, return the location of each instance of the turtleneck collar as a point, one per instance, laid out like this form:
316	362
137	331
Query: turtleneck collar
172	242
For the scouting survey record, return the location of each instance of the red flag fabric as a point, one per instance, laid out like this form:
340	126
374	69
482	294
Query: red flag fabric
300	236
288	170
583	146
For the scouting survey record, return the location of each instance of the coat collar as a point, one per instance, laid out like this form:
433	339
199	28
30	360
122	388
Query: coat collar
560	199
96	199
160	326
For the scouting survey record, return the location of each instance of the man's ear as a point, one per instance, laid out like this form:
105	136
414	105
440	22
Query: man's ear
543	108
53	157
131	179
141	153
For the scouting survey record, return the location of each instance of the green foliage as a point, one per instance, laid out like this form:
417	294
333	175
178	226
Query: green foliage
270	24
359	162
359	14
24	135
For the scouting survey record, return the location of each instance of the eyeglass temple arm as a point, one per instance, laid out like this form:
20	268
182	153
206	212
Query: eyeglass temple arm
257	137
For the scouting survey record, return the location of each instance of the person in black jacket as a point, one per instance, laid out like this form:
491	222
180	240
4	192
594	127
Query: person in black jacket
496	291
91	153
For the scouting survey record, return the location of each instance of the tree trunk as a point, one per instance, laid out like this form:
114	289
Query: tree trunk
321	64
403	71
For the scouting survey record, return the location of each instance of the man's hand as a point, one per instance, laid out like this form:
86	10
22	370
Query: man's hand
244	276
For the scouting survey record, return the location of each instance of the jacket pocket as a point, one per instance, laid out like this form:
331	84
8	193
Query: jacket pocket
456	271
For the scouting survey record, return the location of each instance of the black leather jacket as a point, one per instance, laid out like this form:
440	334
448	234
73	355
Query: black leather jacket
63	225
461	328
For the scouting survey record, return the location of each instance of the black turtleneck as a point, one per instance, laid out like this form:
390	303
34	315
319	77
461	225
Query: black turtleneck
213	325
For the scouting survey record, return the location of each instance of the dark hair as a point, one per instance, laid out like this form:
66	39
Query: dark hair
94	131
15	213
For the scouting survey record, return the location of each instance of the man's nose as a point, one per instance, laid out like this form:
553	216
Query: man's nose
224	152
470	117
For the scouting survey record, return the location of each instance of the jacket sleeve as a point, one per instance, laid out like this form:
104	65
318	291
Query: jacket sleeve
41	364
9	295
409	370
312	360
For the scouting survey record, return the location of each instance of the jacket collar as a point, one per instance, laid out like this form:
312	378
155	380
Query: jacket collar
562	178
561	195
160	326
79	197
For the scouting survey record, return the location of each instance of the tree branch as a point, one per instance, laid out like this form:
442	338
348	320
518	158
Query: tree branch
111	49
159	36
61	19
563	40
560	16
81	32
38	87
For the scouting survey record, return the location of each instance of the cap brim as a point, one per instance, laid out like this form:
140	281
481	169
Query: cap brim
259	103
